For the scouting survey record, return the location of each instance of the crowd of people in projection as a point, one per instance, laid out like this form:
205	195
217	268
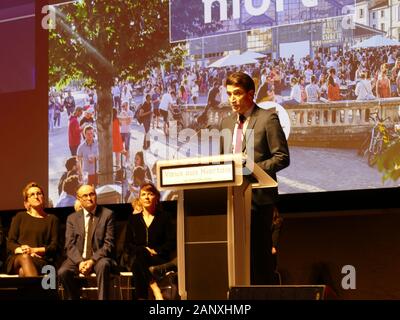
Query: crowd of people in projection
148	105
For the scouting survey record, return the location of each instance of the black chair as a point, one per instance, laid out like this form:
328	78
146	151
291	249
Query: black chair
167	279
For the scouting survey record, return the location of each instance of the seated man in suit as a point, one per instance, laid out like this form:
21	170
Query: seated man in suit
89	241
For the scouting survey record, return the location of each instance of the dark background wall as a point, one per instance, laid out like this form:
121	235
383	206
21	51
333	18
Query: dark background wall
322	232
315	246
23	121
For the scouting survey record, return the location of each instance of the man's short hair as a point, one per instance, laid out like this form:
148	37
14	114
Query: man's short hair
70	163
87	128
71	184
242	80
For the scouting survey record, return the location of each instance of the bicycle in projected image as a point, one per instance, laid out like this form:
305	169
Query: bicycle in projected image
383	133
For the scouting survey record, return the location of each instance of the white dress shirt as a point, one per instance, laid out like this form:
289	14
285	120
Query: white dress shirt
245	124
86	215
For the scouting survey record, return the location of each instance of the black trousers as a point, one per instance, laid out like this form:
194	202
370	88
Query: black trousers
261	260
69	270
141	273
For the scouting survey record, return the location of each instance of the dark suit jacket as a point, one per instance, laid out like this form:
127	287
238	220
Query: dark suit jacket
266	144
102	237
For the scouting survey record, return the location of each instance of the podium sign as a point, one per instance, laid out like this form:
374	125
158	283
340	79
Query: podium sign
213	221
198	173
195	174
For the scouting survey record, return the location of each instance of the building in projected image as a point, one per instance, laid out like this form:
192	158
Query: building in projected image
383	15
308	28
308	38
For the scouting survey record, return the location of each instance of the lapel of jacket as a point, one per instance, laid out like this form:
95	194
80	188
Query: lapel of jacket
80	229
81	223
229	124
96	218
250	127
232	122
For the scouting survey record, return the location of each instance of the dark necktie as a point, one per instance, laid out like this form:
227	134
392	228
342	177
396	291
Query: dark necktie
239	134
89	251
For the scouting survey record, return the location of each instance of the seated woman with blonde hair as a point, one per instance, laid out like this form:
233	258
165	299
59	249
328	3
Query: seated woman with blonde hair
150	239
33	235
137	206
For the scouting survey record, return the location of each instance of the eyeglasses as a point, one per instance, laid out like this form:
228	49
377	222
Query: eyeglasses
37	194
87	196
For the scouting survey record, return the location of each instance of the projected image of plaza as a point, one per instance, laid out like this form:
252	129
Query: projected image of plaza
145	84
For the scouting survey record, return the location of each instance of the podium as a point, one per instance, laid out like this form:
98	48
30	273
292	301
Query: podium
213	221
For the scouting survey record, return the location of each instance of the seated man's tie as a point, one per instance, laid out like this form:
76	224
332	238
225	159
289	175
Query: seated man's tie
89	250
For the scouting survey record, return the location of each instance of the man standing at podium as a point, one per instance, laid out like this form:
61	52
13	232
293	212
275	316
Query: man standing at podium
269	148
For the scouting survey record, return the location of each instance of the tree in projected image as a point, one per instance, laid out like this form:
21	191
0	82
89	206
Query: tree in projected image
98	41
389	161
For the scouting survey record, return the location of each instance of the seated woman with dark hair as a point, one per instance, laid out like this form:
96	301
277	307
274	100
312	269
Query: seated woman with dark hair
33	235
150	239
